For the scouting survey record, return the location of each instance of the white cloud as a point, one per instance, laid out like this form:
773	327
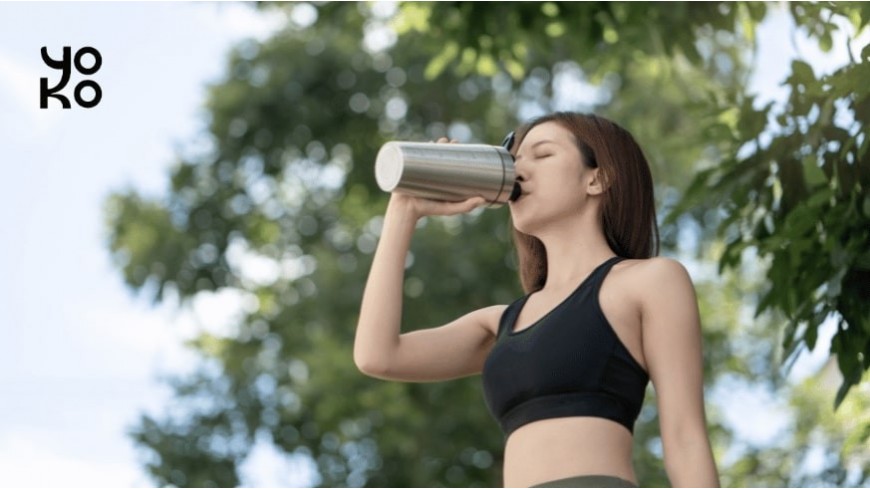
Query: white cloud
19	86
32	462
238	20
267	467
780	42
755	415
810	362
19	79
80	357
219	312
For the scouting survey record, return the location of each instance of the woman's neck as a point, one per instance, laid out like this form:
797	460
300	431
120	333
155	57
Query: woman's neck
574	249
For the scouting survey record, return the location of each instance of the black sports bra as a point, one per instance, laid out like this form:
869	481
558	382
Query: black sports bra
568	363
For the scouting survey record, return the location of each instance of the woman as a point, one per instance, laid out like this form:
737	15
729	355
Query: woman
565	366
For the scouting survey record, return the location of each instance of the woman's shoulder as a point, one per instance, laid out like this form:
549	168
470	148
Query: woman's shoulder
655	266
646	275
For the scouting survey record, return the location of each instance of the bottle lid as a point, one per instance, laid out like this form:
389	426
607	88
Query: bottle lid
388	166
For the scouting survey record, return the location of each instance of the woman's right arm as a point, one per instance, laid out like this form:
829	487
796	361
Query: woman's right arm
453	350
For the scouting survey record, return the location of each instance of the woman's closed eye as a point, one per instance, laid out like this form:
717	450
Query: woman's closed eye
536	156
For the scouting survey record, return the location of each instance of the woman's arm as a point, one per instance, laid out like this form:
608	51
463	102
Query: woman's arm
378	329
379	350
672	348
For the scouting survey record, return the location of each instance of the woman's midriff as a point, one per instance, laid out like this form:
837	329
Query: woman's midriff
564	447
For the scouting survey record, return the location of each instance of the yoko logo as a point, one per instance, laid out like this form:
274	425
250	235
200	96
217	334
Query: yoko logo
65	64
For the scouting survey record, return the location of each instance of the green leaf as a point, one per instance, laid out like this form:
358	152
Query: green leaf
811	335
826	42
550	9
802	72
857	439
844	389
515	68
438	63
813	174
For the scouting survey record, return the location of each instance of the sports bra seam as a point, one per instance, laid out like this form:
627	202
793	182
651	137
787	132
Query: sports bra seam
503	328
501	322
619	344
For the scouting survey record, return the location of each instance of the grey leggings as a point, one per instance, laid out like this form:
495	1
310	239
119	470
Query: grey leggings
588	481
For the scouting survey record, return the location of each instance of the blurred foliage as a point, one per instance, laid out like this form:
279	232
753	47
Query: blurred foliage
796	186
821	448
287	180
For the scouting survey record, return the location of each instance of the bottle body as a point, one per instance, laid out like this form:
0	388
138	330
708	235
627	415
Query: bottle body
450	172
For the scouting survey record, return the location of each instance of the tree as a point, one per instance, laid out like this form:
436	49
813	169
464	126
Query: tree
797	188
289	179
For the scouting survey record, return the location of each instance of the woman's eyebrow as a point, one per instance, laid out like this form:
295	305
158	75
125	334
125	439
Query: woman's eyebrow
543	141
538	143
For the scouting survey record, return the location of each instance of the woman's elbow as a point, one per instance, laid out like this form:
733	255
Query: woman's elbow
372	370
370	365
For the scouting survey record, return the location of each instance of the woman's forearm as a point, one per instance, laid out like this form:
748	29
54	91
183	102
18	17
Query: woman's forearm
690	462
379	324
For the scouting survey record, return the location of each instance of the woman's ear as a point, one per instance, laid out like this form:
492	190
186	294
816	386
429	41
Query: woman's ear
595	184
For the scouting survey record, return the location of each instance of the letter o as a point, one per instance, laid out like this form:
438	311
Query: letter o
98	60
98	94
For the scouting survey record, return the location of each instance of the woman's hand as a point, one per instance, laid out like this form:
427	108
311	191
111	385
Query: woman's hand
420	206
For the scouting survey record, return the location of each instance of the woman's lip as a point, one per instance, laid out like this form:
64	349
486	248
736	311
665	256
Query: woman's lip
519	197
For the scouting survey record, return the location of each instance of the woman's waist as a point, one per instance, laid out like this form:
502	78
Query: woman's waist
576	445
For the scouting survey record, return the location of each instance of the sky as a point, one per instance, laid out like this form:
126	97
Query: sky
80	355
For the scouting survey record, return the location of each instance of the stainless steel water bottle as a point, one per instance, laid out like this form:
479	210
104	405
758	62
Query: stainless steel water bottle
451	172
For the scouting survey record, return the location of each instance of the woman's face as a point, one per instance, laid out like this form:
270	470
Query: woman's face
555	181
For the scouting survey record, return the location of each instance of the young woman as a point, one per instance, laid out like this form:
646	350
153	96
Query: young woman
565	366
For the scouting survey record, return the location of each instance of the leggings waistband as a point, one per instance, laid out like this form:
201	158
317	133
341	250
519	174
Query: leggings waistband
588	481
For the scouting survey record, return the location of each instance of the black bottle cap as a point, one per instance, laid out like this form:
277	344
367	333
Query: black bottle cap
516	192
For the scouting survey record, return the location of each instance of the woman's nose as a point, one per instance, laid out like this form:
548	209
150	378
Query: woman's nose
520	171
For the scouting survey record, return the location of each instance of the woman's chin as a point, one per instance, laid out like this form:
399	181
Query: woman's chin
521	225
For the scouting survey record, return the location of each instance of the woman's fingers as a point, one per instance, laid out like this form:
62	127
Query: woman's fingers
475	202
441	208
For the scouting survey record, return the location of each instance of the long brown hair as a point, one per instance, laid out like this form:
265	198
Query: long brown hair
628	207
